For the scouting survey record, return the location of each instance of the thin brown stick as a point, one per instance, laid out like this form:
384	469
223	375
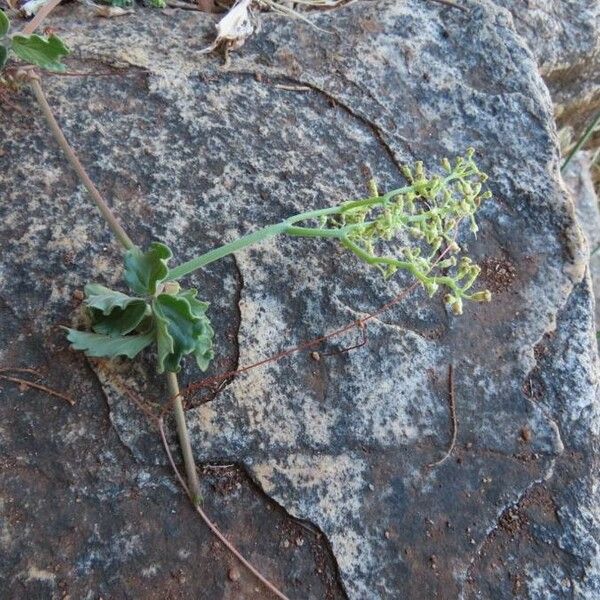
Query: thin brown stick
452	403
210	524
362	327
41	14
38	386
82	74
19	370
72	157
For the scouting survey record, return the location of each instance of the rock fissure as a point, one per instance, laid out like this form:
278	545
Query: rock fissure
502	512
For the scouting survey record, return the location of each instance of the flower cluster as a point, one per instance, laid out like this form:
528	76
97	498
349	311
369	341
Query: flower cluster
423	218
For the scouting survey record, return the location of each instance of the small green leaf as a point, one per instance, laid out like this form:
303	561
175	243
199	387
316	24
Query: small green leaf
114	313
105	299
43	52
120	321
181	330
95	344
4	24
198	307
175	331
203	351
3	56
145	270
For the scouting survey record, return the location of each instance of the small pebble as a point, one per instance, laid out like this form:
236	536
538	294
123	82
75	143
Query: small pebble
315	356
299	541
387	535
526	434
233	574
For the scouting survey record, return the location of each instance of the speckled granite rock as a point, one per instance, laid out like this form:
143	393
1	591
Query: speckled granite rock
194	154
564	36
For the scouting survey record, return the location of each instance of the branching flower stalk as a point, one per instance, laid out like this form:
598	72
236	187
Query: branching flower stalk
425	214
404	229
418	219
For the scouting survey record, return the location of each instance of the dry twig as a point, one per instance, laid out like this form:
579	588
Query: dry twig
210	524
31	384
452	402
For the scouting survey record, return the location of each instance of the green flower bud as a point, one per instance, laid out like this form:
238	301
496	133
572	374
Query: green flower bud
483	296
447	263
419	170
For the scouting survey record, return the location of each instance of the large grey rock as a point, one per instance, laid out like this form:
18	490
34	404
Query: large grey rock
564	36
195	155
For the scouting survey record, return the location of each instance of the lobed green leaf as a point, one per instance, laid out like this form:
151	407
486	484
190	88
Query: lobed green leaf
98	345
118	3
181	329
145	270
120	321
42	52
203	351
105	299
114	313
4	24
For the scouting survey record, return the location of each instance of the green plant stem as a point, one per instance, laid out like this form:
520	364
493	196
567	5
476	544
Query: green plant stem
582	140
100	203
222	251
184	438
287	227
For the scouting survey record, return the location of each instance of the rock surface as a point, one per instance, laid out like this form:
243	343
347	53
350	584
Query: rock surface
194	154
564	36
578	178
